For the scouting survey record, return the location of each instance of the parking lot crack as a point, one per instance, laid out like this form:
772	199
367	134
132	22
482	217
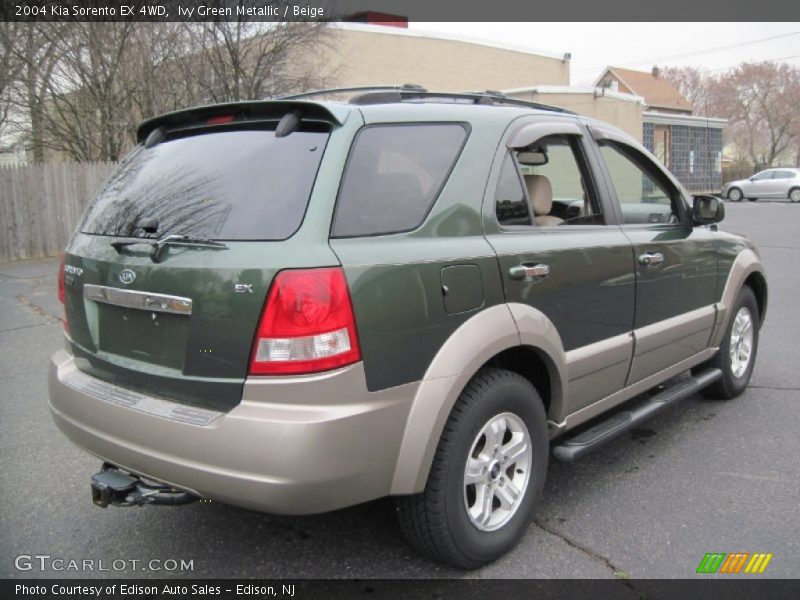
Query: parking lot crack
616	571
776	388
34	278
23	299
779	247
25	327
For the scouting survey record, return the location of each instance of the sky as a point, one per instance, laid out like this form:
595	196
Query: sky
713	46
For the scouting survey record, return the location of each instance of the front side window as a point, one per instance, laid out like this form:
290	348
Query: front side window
393	176
763	176
643	196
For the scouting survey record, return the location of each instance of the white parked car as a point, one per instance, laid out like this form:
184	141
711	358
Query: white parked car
771	183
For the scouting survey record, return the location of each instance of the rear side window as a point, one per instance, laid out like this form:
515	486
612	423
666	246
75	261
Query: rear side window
393	176
228	185
511	204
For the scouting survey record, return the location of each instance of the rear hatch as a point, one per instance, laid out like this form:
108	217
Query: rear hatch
177	319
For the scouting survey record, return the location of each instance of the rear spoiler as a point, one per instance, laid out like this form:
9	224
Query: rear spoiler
260	110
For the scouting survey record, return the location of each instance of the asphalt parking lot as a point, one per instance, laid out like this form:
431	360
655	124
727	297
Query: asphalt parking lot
704	477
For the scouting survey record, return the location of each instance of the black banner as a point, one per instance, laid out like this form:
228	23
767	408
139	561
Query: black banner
382	589
390	10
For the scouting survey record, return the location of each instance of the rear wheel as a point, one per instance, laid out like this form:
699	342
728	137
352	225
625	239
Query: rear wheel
487	474
735	195
794	194
737	353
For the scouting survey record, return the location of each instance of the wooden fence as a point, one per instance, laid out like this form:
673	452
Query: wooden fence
40	205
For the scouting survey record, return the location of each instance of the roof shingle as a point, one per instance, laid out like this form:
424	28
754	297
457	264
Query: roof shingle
656	91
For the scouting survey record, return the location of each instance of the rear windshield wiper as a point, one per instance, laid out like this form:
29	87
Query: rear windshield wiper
170	240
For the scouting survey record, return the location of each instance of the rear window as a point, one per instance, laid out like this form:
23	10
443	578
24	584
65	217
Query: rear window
393	176
226	185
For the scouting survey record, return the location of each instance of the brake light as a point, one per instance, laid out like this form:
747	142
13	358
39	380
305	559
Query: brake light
307	324
61	295
220	120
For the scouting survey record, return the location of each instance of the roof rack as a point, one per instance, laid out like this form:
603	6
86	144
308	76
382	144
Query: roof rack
501	98
384	94
361	88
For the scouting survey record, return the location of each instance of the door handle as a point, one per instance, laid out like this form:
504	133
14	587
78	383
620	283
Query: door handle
651	259
527	272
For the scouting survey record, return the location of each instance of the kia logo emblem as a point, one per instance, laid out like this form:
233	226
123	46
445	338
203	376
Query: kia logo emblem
127	276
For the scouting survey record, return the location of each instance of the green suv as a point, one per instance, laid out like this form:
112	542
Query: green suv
296	305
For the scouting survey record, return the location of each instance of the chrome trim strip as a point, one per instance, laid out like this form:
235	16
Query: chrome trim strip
138	300
114	394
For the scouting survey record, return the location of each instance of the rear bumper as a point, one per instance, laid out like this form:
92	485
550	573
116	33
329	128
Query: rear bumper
294	445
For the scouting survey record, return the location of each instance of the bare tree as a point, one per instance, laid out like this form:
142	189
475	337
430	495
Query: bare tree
91	90
10	68
83	87
761	101
246	60
35	49
696	85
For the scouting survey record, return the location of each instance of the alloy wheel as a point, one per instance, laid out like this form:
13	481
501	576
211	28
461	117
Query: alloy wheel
497	471
741	343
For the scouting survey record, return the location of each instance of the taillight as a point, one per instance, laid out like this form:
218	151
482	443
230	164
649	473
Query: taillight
61	279
307	324
61	296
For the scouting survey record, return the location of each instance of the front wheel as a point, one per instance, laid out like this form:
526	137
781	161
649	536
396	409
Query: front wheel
737	353
735	195
487	474
794	195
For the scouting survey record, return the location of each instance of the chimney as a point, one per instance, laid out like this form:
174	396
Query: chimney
656	71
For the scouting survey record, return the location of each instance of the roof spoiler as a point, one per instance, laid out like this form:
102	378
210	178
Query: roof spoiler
258	110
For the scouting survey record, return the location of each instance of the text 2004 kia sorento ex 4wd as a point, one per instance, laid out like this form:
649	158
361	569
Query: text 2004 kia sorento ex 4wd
296	306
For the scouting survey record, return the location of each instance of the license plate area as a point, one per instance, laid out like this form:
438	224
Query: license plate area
144	335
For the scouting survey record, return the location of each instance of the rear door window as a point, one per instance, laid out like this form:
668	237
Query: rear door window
393	176
227	185
511	202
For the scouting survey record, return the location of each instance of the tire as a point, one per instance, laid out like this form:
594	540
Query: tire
735	195
733	382
438	521
794	195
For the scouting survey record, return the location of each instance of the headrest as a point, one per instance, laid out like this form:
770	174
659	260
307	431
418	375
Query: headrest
541	194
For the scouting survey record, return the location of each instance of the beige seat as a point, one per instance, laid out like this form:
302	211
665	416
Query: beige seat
541	194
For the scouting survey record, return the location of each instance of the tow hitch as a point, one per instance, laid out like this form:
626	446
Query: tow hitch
117	488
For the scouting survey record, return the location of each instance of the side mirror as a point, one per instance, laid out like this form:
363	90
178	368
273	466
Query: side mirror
707	210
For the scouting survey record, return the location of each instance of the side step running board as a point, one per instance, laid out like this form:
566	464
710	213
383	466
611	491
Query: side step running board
572	448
